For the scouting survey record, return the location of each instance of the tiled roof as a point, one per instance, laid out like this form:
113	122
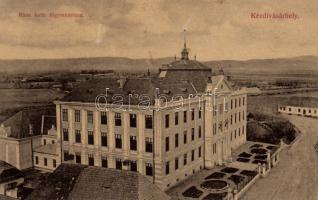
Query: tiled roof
47	149
8	172
20	121
78	182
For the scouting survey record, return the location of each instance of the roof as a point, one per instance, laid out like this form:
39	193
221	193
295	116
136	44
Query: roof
71	181
8	172
2	197
20	122
185	65
47	149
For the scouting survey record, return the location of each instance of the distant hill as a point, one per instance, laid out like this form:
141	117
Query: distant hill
294	65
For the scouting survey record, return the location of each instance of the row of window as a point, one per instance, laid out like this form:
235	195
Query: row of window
185	118
104	121
104	140
132	165
185	136
185	160
237	102
238	132
45	162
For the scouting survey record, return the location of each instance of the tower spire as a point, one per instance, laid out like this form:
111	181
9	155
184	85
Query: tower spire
184	52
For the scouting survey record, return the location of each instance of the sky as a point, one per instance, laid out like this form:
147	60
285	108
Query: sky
216	29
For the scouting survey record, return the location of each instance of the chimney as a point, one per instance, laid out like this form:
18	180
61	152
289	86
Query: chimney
209	87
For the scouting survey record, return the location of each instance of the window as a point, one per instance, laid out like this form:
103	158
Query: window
200	153
117	119
104	139
45	161
185	116
78	158
65	115
36	160
167	167
148	169
90	159
192	155
118	141
235	103
239	116
176	140
239	131
133	166
221	109
133	143
148	121
235	117
90	117
176	118
243	101
192	134
167	144
77	116
66	155
243	130
54	163
200	113
44	141
133	120
239	102
185	159
231	136
185	137
103	118
104	162
53	142
65	134
231	119
167	121
148	144
243	115
192	114
214	110
231	104
176	163
78	136
200	132
90	137
119	164
214	148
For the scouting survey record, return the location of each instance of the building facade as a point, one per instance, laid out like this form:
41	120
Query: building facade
299	110
165	127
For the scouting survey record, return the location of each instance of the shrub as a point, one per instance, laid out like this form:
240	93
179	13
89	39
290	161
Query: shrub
192	192
216	175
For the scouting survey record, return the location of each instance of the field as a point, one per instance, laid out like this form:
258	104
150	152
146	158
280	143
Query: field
15	99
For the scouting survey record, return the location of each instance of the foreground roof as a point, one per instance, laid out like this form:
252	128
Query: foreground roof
8	172
70	181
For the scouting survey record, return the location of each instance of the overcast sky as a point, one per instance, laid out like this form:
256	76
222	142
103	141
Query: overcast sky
217	29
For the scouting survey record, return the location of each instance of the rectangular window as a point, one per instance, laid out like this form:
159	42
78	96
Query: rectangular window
239	102
176	163
118	144
65	115
214	148
200	113
45	161
90	137
167	144
167	121
103	118
133	166
133	120
231	104
176	118
66	155
243	101
77	116
104	162
200	132
148	169
192	114
36	160
54	163
231	119
185	116
117	119
44	141
90	159
133	143
200	152
192	155
221	109
65	134
148	145
148	121
243	115
192	134
239	116
119	164
78	136
215	110
167	168
185	137
78	158
235	103
176	140
235	117
185	159
90	117
104	139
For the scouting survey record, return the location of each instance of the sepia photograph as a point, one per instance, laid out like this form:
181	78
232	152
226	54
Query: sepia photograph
158	100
